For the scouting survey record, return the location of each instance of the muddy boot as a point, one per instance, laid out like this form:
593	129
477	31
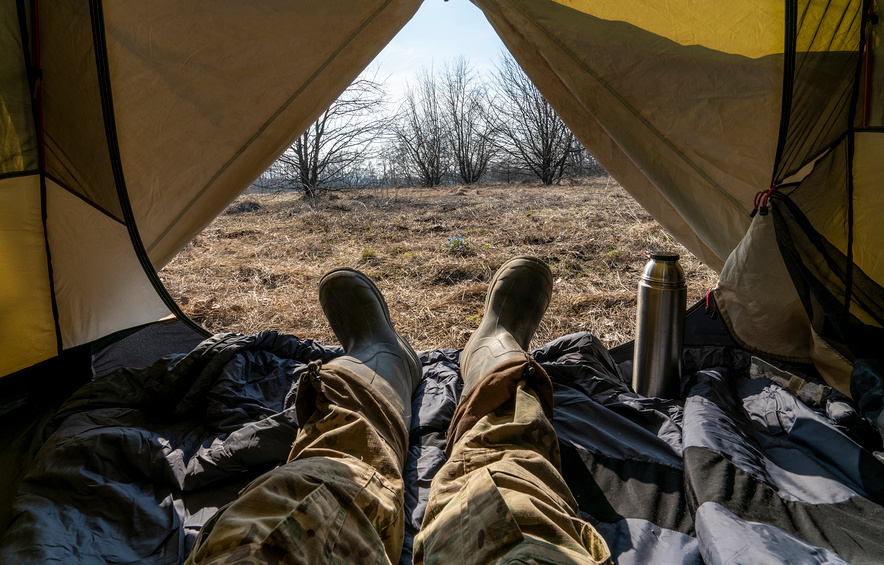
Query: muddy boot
373	350
517	299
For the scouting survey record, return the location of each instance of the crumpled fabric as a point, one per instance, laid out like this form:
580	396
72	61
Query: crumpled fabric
338	499
500	497
137	461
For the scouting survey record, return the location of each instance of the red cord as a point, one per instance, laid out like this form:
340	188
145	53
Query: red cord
711	309
767	194
761	199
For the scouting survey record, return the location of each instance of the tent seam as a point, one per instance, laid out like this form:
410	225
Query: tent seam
790	32
88	202
106	95
18	174
32	64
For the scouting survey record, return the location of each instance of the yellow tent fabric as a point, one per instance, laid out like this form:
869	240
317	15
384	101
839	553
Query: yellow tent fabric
27	334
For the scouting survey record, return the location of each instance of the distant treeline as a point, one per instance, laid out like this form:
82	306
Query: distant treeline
453	126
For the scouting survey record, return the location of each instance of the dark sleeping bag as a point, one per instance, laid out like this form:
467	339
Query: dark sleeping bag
738	471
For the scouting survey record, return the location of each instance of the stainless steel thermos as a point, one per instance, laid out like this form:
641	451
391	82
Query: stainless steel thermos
659	327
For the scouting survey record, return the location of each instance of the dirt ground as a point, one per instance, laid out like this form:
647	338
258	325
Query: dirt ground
432	253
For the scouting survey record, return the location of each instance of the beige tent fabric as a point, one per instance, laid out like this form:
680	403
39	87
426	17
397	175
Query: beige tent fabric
873	116
750	28
27	332
834	367
695	129
100	286
204	104
767	316
823	199
610	155
763	312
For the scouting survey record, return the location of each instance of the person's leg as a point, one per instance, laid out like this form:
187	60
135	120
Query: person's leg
340	496
500	497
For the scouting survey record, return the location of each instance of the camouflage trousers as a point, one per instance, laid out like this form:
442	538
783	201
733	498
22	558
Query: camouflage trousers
500	498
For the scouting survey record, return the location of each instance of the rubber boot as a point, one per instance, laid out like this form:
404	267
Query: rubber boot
517	299
360	319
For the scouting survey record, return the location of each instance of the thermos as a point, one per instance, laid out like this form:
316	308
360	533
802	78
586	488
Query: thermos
659	327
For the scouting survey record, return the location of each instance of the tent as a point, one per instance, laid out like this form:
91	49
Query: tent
752	130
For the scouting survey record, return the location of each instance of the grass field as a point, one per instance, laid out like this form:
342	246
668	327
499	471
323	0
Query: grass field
432	253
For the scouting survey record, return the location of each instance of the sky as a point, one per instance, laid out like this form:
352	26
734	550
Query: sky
438	32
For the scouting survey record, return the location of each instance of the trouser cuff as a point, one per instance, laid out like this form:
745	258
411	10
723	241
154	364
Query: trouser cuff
344	388
496	388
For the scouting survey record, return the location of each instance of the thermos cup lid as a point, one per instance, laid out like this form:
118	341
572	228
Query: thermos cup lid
664	256
663	271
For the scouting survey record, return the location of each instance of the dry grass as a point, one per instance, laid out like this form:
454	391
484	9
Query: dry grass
258	269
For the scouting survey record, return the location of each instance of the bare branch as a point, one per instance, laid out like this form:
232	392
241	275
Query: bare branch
530	131
330	152
470	119
419	132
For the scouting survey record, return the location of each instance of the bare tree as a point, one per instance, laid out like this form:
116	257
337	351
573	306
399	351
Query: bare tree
340	140
419	132
393	165
581	163
531	132
470	117
275	179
